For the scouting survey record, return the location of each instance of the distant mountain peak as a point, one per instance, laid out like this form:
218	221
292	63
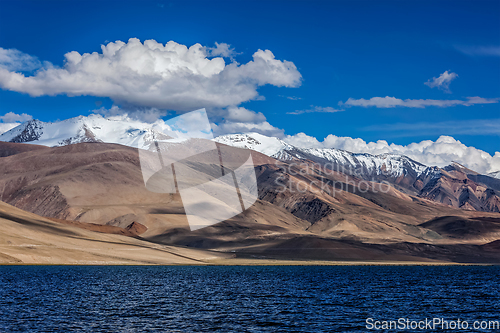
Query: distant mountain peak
459	167
495	174
29	131
93	128
269	146
124	130
361	164
453	185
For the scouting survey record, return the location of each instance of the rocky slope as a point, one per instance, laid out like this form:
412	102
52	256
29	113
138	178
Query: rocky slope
454	186
304	204
26	238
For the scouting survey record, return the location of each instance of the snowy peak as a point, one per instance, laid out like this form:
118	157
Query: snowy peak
94	128
340	160
269	146
385	164
27	132
130	132
453	185
495	174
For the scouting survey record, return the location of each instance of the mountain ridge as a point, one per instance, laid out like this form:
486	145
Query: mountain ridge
93	128
453	185
319	214
129	132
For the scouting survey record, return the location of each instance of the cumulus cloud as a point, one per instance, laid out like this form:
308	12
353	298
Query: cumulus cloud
234	119
113	111
441	152
391	102
153	75
223	50
303	140
442	82
316	109
149	115
16	61
229	127
12	117
240	114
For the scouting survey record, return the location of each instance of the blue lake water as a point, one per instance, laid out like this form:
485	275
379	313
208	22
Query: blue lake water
240	298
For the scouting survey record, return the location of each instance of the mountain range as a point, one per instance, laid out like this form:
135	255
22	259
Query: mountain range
94	128
313	204
453	185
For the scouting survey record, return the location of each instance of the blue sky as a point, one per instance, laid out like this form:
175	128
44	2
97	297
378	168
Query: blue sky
342	50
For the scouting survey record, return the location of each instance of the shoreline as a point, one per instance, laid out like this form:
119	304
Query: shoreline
265	262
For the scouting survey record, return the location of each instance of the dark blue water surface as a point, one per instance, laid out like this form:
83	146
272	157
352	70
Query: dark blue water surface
239	299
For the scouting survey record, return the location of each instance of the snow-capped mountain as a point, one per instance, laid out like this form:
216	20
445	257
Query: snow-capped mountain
130	132
337	159
495	174
94	128
453	185
269	146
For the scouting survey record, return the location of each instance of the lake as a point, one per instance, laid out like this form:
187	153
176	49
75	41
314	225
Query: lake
241	298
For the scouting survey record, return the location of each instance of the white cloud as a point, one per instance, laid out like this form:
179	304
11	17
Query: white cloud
391	102
153	75
113	111
15	60
149	115
11	120
240	114
316	109
223	50
12	117
229	127
441	152
442	82
292	98
493	51
303	140
234	119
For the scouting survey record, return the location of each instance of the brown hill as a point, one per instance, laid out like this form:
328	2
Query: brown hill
485	229
302	210
460	187
30	239
9	148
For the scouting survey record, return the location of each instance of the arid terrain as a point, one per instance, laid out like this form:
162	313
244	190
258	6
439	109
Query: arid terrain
30	239
87	203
